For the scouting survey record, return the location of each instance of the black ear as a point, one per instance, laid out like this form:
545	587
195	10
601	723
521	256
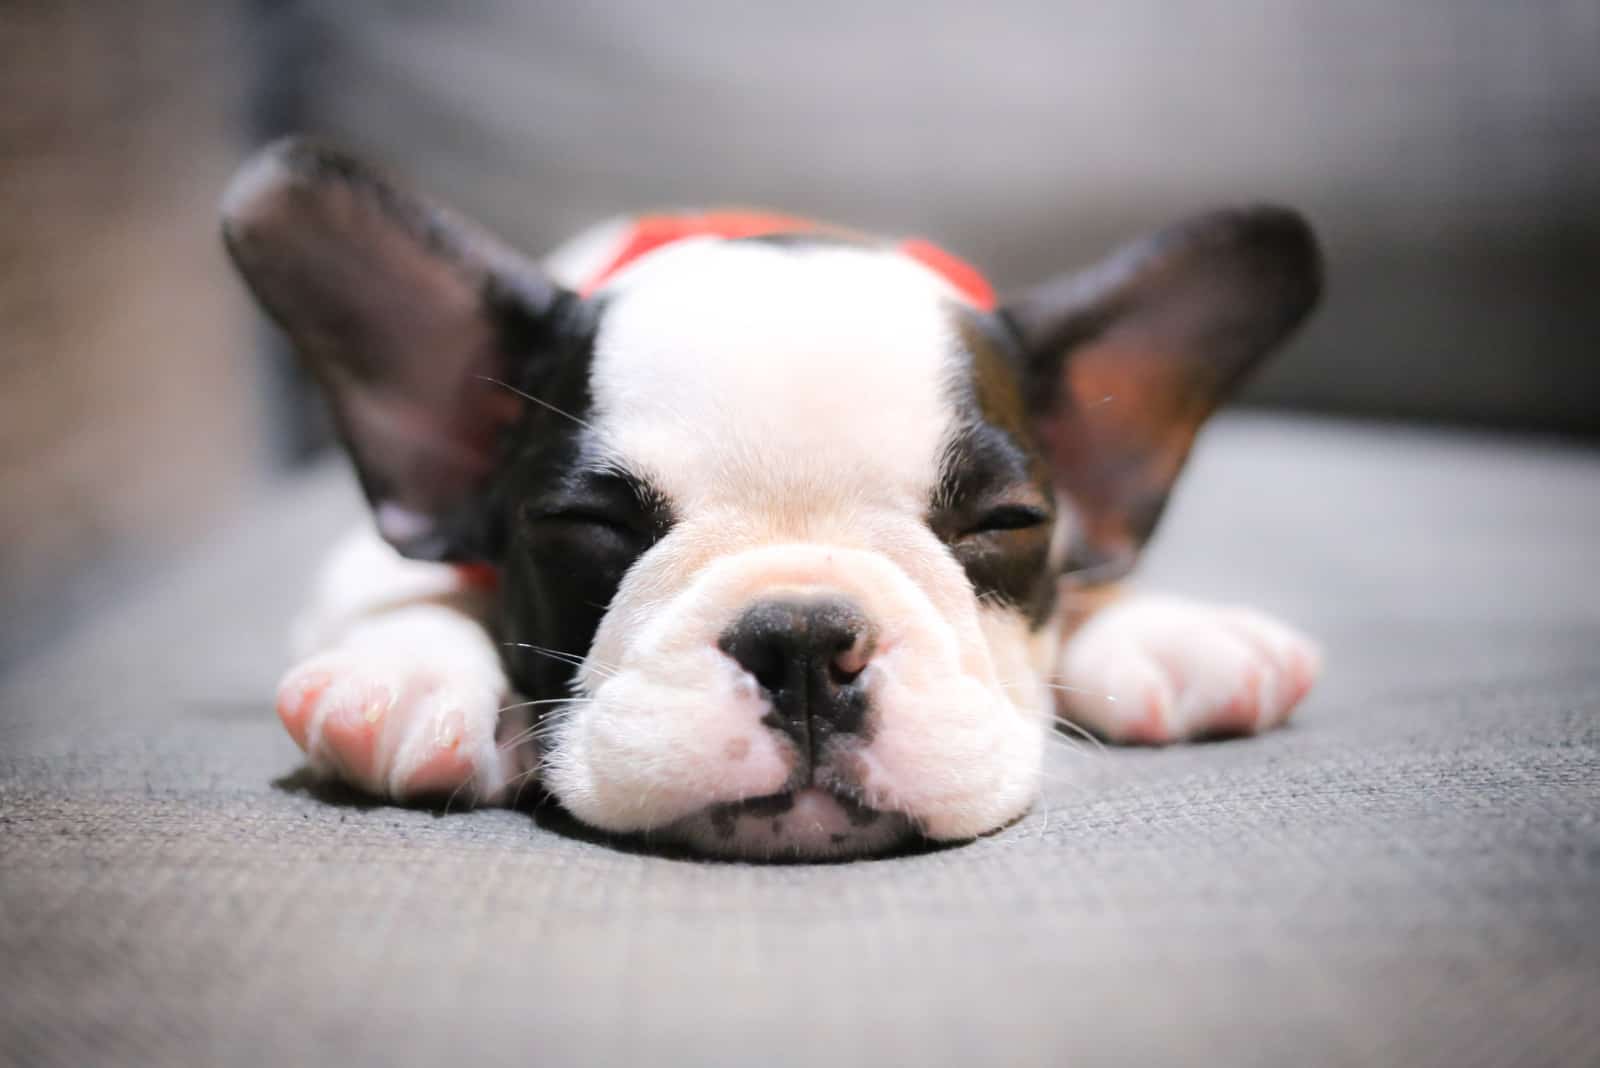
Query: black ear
408	316
1125	360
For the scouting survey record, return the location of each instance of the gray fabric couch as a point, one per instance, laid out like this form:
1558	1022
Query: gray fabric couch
1409	874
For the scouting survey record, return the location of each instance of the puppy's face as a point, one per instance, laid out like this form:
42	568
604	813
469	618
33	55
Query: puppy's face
806	546
784	519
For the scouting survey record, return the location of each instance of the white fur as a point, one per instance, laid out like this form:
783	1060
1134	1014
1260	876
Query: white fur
745	375
793	405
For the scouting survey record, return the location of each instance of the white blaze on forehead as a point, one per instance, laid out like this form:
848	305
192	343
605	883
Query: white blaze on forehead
728	369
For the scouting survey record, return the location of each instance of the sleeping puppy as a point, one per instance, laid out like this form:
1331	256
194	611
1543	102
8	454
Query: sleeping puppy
753	535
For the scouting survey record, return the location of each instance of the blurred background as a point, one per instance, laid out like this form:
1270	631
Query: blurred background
1447	150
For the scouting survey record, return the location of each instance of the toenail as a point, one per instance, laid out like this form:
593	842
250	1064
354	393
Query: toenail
447	730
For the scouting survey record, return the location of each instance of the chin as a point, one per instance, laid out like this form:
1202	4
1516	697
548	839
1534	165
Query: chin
807	824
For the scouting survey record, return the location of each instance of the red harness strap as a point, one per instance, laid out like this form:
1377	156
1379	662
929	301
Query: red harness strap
651	232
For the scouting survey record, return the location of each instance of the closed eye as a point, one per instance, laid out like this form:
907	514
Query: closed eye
607	500
589	518
1008	517
591	528
595	530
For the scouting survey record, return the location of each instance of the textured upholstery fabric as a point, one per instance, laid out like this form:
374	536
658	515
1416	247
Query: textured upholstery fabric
1409	874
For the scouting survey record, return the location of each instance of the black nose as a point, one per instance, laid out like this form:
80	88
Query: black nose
807	654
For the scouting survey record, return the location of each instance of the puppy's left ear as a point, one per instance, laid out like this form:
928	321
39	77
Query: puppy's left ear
1124	361
420	327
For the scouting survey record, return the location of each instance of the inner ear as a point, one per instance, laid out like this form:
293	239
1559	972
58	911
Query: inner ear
419	326
1124	361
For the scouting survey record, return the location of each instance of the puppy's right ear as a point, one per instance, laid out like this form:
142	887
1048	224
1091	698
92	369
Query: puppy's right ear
413	320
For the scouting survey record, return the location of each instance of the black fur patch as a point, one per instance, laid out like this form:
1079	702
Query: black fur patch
566	525
994	506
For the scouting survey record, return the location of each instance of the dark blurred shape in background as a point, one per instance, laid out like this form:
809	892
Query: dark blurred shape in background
1448	151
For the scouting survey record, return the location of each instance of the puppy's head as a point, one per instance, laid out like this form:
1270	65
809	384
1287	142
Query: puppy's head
784	518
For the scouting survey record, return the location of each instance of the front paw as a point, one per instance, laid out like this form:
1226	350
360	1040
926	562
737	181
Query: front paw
398	729
1158	670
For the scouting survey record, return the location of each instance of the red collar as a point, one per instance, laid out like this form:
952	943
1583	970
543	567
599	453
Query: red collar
650	232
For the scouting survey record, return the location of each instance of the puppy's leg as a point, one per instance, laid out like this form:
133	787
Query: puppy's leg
1158	669
399	688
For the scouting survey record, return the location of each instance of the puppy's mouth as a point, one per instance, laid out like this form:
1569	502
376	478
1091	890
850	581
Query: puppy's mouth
781	804
809	822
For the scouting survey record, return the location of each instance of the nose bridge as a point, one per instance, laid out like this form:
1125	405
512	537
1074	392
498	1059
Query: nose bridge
828	496
770	565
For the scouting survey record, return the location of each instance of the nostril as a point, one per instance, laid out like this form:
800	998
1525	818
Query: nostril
768	667
765	659
842	676
850	660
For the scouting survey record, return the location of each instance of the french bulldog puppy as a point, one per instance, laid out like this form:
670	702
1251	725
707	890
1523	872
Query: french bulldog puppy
755	536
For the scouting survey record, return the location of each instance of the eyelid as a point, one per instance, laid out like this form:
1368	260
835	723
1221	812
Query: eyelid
604	494
599	516
584	509
1007	516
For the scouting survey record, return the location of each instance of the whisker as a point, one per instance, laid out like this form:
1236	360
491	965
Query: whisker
573	659
1061	686
1064	688
558	653
548	721
529	704
1082	732
530	732
1057	778
461	786
1073	747
521	781
541	403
